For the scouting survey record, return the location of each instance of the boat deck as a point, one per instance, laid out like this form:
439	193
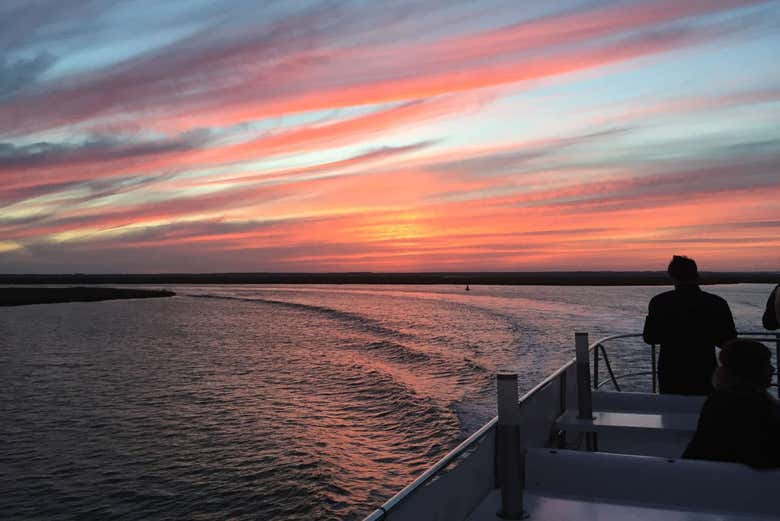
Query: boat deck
637	423
547	507
566	451
566	484
608	421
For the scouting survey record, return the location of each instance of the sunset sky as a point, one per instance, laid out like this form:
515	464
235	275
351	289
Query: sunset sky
141	136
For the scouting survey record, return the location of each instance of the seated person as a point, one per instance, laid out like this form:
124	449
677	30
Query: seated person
740	421
771	318
688	323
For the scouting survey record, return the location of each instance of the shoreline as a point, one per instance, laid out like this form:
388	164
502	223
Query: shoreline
569	278
10	296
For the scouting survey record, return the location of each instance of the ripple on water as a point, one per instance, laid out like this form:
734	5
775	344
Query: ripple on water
269	420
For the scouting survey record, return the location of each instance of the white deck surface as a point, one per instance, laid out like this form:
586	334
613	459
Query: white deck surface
606	421
644	403
549	508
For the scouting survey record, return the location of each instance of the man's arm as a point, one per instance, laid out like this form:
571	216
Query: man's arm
728	329
770	313
652	330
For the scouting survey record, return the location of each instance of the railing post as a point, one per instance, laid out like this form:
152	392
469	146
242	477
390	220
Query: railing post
584	396
596	368
510	459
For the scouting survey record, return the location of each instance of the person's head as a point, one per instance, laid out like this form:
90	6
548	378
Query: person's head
683	270
747	361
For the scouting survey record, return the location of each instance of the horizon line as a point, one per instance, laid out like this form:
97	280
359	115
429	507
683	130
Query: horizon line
285	273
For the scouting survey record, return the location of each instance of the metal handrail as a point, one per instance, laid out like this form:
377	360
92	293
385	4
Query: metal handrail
451	456
598	346
599	350
605	381
612	377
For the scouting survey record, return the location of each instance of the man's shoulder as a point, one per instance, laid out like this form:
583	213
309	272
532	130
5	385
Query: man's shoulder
663	297
713	298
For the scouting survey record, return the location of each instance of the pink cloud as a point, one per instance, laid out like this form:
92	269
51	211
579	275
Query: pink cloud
248	79
88	165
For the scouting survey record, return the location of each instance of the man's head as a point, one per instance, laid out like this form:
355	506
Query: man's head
748	361
683	270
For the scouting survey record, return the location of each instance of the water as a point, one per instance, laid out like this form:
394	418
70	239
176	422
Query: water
273	402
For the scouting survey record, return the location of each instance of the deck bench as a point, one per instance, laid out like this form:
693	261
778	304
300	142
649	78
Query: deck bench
658	425
704	486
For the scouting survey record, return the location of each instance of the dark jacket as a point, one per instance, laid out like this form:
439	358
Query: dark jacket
770	318
687	323
738	425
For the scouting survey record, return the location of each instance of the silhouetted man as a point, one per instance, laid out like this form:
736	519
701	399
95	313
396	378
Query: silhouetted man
771	318
688	323
740	421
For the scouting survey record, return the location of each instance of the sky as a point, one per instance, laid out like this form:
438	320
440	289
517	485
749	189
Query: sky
395	135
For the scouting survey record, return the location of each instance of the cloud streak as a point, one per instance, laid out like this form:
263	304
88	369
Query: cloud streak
546	138
281	69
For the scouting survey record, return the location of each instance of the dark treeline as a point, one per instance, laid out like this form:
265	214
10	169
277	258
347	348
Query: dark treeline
560	278
21	296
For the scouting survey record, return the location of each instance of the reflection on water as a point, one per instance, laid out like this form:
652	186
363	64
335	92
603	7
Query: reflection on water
270	402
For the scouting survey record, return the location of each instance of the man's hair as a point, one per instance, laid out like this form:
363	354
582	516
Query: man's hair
746	359
683	269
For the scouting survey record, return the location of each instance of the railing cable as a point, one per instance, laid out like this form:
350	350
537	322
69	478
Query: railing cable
609	367
598	348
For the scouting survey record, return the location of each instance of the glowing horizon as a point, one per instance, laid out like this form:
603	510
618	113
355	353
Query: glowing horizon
393	136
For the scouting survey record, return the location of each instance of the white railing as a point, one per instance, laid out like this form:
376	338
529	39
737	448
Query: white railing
600	353
426	476
558	382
